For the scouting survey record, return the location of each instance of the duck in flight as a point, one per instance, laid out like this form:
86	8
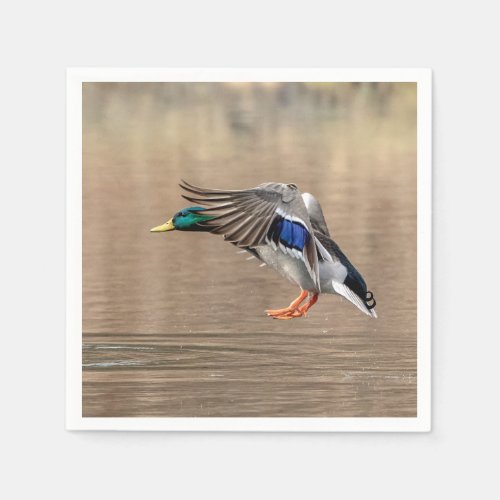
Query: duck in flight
286	230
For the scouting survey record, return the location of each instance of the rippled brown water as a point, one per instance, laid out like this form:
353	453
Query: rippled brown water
174	323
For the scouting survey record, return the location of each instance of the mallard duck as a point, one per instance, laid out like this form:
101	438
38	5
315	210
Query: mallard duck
286	230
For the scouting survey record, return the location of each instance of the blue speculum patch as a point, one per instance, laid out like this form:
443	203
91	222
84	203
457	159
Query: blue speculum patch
290	233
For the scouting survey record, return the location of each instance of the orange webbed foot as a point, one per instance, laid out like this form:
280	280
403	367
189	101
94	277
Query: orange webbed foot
294	310
290	309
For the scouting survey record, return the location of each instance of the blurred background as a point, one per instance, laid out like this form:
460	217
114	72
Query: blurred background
174	323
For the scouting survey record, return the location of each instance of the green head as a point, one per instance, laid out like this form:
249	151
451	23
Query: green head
187	219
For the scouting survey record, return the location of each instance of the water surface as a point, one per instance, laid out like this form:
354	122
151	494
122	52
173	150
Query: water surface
174	323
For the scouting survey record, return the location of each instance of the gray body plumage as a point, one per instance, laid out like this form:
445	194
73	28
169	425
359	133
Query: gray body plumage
292	269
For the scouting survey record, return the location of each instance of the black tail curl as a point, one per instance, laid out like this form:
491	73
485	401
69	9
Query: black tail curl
370	298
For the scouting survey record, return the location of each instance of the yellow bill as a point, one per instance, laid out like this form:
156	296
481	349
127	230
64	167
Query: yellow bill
168	226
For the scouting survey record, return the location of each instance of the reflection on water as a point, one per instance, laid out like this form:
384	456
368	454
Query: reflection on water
174	323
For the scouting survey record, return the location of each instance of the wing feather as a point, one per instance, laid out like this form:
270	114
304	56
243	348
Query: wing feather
245	218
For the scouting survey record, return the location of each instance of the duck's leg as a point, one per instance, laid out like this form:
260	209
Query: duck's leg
300	311
303	310
294	305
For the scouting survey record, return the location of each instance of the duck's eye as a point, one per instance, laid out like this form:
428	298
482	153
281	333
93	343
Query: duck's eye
293	186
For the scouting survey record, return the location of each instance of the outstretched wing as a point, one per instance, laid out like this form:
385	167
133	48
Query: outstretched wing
271	213
315	212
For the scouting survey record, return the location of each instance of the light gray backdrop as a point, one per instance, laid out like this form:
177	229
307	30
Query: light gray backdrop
459	41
